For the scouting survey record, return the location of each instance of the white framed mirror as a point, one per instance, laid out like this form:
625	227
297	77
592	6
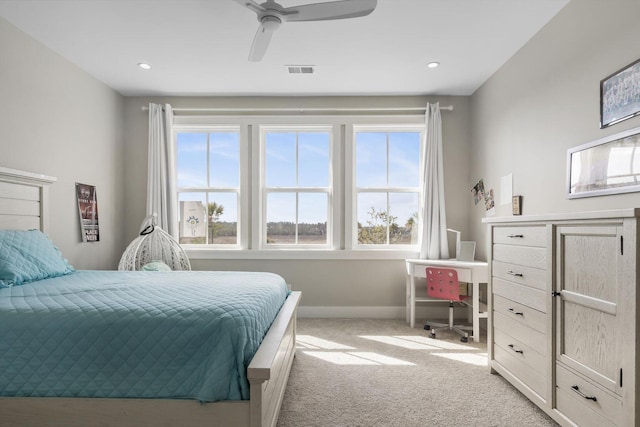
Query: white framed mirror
608	165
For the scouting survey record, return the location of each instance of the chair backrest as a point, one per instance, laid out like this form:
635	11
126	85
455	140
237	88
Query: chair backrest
442	283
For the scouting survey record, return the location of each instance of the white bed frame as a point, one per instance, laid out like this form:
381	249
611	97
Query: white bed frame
23	205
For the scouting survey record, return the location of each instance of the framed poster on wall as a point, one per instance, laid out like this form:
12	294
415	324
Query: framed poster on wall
88	211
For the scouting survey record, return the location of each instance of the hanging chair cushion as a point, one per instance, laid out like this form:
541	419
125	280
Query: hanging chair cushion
156	266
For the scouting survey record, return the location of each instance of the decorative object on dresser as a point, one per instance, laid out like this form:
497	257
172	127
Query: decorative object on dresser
516	205
608	165
562	313
620	95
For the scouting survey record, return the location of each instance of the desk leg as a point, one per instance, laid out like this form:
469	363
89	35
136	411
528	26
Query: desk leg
412	300
407	283
476	311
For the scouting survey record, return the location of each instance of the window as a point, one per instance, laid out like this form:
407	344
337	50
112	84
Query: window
387	186
208	181
296	187
321	186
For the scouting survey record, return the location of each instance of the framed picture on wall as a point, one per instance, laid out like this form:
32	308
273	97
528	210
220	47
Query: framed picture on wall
608	165
620	95
88	210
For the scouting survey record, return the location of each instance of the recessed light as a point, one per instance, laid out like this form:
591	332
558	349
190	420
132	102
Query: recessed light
144	65
433	64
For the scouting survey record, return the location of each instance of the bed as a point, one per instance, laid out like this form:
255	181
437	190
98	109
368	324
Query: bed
259	367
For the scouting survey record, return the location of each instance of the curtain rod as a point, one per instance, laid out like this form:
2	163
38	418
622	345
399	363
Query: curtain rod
299	110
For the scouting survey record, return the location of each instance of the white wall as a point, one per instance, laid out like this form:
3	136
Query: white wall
545	100
375	287
57	120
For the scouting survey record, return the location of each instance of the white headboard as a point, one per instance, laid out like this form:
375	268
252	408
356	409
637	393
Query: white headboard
24	200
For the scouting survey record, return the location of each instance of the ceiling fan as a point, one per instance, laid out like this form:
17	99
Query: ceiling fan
271	15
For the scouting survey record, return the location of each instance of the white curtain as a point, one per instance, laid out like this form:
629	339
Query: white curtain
435	244
161	183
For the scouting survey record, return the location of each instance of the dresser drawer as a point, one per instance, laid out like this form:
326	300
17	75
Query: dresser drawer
521	255
523	275
521	236
521	351
528	336
571	390
520	313
520	369
524	295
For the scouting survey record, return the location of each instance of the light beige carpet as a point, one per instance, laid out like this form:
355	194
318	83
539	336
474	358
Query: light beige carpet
368	373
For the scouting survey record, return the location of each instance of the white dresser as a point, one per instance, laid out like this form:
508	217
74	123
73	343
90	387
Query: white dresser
562	313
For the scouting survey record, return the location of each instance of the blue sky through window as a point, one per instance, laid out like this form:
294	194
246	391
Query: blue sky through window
387	160
224	171
297	160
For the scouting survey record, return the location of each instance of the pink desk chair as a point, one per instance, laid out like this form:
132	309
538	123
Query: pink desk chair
442	283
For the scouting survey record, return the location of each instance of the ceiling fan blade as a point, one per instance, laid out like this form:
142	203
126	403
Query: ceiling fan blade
331	10
250	4
260	43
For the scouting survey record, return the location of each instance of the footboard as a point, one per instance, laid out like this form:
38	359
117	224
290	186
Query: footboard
269	369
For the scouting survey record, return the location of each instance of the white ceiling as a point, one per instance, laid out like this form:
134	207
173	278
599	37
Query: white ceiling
200	47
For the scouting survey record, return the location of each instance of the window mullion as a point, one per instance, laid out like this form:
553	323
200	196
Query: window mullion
297	215
387	207
387	159
388	217
297	184
206	194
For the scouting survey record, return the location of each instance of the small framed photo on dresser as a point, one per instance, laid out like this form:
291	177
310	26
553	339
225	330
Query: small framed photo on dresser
516	204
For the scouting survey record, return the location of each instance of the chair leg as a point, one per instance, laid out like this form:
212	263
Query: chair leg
434	327
462	331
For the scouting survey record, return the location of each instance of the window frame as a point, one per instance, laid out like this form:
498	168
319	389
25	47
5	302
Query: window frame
264	191
352	231
239	191
342	168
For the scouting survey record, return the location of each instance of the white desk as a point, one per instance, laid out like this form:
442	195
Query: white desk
474	272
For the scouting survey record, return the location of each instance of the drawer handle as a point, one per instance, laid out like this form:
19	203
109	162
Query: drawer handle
514	349
518	313
577	390
514	273
519	236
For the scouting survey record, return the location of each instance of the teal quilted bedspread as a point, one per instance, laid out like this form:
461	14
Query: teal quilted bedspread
188	334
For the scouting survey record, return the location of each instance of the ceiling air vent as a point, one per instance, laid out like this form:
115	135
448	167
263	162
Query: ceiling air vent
300	69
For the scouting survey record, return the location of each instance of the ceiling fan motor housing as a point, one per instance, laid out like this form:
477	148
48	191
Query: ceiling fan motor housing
270	22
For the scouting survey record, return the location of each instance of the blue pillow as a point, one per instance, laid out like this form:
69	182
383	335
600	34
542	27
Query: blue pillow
29	255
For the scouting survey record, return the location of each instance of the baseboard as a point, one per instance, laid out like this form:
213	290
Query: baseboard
368	312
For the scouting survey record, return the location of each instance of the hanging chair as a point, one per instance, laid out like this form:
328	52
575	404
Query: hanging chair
153	246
